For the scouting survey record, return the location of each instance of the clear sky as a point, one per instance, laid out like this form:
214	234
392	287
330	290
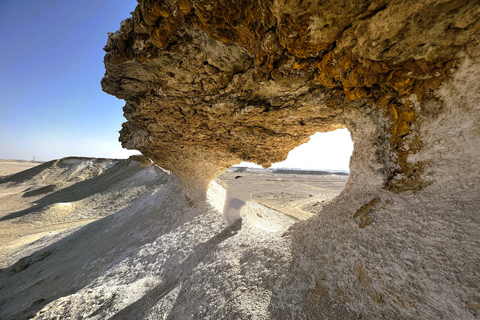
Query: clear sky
51	64
330	151
51	102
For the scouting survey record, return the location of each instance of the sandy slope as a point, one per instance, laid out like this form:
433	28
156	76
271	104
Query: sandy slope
64	194
149	258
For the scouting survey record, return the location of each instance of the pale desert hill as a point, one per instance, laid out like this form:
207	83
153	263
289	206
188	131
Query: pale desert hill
64	194
143	250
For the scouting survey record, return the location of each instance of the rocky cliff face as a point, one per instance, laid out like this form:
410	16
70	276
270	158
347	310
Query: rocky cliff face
210	84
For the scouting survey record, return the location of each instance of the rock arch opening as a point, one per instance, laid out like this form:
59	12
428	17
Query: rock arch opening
328	151
311	176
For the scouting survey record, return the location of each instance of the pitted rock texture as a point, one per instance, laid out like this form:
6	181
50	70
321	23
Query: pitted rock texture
210	84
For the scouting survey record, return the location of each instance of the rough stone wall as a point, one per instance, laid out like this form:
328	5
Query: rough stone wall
208	85
376	254
213	84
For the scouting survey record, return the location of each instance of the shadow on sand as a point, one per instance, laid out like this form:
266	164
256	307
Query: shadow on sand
71	263
140	308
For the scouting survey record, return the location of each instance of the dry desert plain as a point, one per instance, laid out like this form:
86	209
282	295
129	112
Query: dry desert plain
8	167
71	192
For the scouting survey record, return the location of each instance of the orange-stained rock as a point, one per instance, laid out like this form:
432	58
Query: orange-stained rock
211	84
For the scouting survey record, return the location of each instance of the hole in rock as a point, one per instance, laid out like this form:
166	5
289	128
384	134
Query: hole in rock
312	176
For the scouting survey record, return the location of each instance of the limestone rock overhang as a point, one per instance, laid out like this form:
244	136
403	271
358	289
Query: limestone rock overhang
210	84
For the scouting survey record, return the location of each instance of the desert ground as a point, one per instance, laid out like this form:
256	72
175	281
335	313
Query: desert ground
81	233
57	196
297	195
41	200
8	167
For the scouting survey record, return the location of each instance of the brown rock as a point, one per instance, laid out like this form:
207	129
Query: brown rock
210	84
219	85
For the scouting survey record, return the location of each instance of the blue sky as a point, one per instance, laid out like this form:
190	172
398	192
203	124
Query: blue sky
51	64
52	105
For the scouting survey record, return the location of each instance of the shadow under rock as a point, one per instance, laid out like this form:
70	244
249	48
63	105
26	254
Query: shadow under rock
175	275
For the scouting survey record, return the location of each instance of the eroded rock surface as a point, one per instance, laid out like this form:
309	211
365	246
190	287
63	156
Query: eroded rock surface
210	84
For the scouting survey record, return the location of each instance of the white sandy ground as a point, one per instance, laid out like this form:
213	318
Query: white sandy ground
141	258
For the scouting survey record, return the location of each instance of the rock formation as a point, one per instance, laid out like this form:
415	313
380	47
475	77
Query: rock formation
210	84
